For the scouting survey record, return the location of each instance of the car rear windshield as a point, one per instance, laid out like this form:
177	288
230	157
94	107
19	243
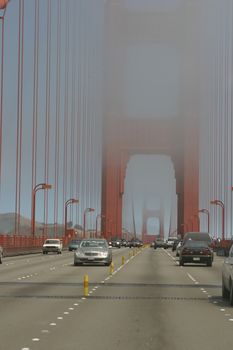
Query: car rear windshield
94	244
198	244
197	236
75	242
52	241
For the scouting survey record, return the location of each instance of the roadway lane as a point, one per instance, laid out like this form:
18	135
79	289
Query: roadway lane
149	303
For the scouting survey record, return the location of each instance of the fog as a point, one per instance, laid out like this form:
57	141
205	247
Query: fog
172	60
152	74
111	76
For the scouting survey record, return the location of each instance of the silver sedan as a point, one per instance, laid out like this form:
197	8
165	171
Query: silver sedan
93	251
227	277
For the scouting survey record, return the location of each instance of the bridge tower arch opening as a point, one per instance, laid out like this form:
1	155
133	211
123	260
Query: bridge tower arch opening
150	200
177	139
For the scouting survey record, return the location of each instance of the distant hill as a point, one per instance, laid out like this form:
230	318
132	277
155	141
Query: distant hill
7	226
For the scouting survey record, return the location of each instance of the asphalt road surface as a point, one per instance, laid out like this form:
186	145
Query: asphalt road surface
147	303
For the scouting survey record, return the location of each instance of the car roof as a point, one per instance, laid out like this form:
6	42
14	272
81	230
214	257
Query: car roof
197	236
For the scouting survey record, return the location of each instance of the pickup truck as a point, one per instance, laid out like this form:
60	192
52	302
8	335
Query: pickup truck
52	245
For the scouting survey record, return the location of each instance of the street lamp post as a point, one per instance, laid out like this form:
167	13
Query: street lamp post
87	210
206	211
221	204
68	202
41	186
99	216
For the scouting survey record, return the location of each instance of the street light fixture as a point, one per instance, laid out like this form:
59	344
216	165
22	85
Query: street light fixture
68	202
3	4
41	186
206	211
221	204
87	210
99	216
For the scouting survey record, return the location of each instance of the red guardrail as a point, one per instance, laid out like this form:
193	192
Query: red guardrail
9	242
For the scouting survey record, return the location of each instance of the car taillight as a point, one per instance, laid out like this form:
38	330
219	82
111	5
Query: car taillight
186	251
206	251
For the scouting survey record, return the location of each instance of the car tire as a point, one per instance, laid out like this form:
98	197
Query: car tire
225	292
0	260
231	294
209	263
181	263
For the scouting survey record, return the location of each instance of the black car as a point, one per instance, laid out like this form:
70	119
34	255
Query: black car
175	244
74	244
116	243
135	243
196	252
124	243
160	243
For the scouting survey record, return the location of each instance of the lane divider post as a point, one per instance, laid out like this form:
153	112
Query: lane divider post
111	270
122	260
86	285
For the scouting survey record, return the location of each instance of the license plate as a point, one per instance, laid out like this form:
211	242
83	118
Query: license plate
196	259
91	258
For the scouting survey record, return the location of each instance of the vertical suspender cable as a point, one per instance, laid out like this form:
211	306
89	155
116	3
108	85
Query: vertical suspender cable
66	109
87	108
83	125
19	116
73	114
78	116
1	91
35	96
84	87
230	130
47	118
57	132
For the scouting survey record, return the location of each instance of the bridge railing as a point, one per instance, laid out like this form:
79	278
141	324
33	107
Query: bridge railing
18	244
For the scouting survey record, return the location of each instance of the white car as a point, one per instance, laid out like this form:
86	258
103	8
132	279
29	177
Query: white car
227	277
178	248
52	245
170	241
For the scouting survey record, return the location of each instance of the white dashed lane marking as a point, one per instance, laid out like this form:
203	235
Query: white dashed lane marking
75	304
